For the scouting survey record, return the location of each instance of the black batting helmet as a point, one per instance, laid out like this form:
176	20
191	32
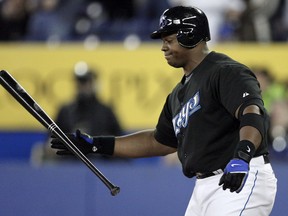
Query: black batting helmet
190	24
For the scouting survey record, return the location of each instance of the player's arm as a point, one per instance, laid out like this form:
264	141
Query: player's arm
248	132
251	134
140	144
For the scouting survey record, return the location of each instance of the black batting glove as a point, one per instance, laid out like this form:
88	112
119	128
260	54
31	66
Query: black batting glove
82	141
85	143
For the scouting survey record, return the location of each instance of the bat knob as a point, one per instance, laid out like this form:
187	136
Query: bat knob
115	190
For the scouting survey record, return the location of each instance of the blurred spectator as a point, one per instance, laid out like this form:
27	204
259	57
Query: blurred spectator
279	126
272	90
117	10
254	23
285	19
14	17
85	112
279	30
106	20
86	109
53	20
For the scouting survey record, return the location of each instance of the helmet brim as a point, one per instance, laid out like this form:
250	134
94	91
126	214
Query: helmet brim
161	32
156	34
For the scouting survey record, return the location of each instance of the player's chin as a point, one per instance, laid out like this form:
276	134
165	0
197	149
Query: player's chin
173	64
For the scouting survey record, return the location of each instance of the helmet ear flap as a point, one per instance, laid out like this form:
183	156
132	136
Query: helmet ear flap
186	38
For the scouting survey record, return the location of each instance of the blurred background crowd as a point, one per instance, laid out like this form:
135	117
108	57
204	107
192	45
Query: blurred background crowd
108	20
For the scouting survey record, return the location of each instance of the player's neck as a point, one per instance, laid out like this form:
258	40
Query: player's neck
198	54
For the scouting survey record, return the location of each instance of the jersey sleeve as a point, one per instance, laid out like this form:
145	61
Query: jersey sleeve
238	85
164	130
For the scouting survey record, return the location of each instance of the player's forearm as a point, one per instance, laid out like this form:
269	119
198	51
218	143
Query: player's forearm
140	144
251	134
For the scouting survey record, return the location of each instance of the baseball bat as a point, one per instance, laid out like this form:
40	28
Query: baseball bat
20	94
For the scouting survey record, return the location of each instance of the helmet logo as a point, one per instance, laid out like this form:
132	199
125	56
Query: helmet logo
164	22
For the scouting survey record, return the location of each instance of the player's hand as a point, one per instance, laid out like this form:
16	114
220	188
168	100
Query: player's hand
235	175
82	141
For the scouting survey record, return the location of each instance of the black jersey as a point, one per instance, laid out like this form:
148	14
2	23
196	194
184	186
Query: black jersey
198	117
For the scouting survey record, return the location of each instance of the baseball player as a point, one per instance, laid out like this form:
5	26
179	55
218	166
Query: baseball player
214	119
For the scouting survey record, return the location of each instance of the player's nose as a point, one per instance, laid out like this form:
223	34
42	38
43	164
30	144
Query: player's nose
164	47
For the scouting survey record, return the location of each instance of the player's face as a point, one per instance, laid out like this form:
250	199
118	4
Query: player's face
175	54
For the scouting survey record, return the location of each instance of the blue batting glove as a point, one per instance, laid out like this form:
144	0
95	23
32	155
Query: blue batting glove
235	175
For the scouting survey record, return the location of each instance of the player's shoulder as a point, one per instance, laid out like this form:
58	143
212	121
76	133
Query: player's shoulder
226	64
223	60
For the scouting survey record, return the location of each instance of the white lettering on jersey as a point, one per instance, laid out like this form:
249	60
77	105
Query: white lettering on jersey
181	119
